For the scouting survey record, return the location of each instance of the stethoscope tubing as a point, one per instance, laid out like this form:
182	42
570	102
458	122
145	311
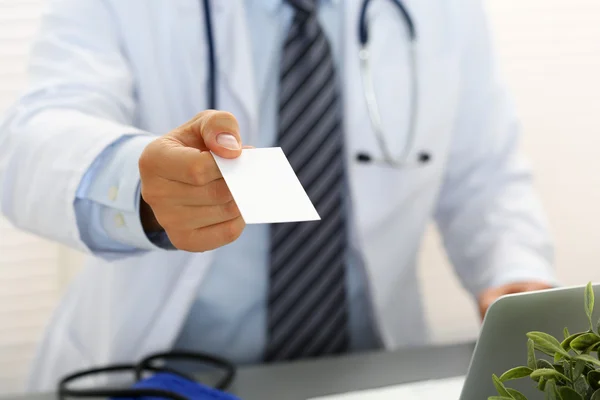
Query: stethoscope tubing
145	365
367	81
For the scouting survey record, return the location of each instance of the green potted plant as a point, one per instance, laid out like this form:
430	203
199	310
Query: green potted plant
571	370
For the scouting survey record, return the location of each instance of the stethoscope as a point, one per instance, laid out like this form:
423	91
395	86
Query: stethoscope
407	157
153	363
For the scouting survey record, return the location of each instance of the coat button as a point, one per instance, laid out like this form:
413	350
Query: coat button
112	193
119	220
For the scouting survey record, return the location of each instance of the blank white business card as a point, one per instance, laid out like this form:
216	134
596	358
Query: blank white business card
265	187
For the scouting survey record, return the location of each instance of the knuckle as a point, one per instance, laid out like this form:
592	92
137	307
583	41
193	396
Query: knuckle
168	221
203	114
196	173
218	119
147	160
148	195
232	230
221	193
209	119
183	242
152	194
230	210
220	116
227	116
178	240
190	242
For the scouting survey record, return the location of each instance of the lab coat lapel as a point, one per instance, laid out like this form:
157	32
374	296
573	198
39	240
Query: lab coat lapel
233	50
378	241
359	137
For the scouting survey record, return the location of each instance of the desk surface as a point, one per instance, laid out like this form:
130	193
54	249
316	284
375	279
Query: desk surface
306	379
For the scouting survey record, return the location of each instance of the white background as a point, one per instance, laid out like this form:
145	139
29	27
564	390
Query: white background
550	52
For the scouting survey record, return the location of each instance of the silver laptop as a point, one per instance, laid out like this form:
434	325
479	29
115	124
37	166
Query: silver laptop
502	343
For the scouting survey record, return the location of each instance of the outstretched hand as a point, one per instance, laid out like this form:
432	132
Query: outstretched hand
183	191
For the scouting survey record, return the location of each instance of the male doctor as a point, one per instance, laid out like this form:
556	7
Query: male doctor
108	152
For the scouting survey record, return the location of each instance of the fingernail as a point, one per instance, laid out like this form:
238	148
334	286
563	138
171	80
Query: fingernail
228	141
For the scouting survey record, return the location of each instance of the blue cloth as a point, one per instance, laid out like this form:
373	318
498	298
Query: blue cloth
229	315
177	384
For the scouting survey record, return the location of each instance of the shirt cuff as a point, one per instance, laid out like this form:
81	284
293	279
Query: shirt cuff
117	188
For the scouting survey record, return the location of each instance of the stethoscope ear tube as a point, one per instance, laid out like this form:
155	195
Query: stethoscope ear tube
212	58
363	29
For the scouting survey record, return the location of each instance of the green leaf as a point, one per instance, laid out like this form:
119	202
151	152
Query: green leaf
569	394
566	344
559	367
500	387
531	363
593	378
578	369
566	332
566	369
588	359
585	342
549	374
589	302
500	398
516	394
588	368
542	384
547	344
593	347
541	363
581	386
596	395
551	391
515	373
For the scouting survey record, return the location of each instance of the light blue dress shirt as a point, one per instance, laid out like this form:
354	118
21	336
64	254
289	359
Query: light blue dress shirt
229	315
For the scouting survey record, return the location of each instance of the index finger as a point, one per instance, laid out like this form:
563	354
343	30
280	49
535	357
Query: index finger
175	162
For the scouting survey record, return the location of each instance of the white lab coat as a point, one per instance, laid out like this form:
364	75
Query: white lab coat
80	100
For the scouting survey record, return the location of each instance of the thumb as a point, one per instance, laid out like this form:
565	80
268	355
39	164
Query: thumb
216	131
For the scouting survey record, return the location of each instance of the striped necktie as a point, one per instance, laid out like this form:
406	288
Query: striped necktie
307	294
